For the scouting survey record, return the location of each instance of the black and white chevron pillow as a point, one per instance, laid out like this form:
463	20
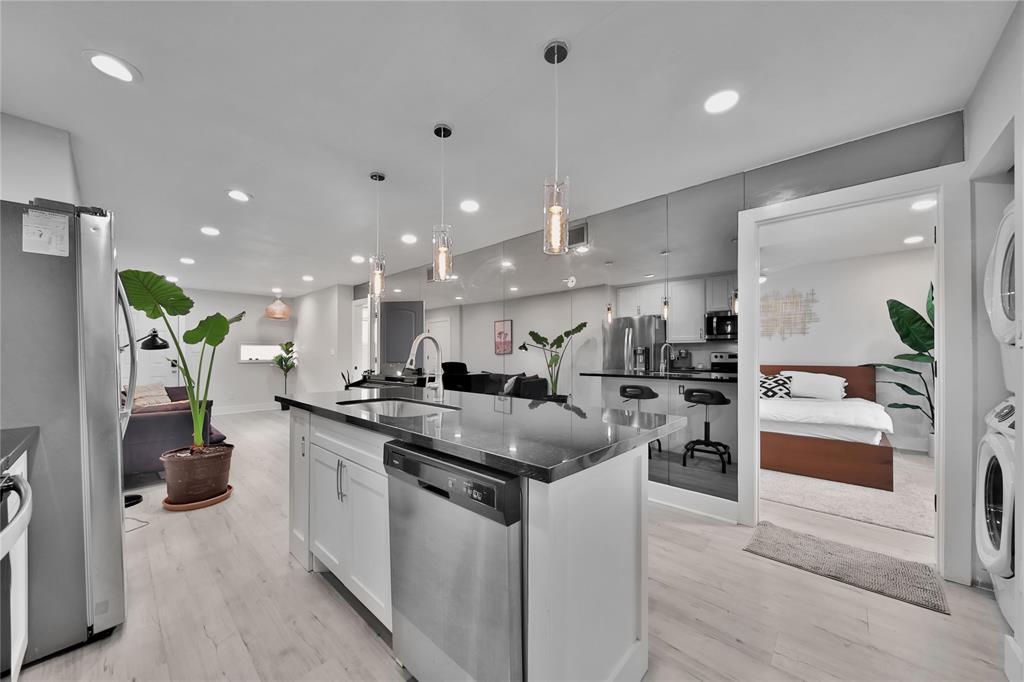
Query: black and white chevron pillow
775	386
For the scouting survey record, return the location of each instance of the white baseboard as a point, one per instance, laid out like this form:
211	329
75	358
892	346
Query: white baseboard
688	500
1013	661
239	409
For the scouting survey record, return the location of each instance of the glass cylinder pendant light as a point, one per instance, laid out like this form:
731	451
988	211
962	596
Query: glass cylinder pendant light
608	312
664	308
377	260
443	234
556	189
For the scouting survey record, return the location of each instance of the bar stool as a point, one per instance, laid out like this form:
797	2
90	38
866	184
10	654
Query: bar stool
707	397
639	392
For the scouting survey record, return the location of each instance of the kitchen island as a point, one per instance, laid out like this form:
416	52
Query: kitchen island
579	608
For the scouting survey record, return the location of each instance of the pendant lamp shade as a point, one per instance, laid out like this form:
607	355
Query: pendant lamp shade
377	259
556	189
152	341
278	310
444	235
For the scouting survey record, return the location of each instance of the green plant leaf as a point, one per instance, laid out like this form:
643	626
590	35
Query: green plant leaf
929	305
915	357
895	368
558	341
539	340
153	295
212	330
553	359
914	330
906	389
905	406
576	330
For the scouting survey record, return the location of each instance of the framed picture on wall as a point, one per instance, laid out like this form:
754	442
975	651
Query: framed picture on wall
503	337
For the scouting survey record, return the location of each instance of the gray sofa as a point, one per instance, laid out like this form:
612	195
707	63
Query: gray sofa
156	429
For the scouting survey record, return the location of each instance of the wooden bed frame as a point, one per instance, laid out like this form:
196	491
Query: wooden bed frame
832	460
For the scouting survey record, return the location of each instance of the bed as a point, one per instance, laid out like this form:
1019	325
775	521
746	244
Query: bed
844	452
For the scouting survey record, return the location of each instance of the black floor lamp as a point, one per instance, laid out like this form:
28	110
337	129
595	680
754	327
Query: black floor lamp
150	341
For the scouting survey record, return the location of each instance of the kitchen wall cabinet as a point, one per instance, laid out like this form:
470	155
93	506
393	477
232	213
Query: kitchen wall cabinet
687	302
719	292
298	486
348	511
644	299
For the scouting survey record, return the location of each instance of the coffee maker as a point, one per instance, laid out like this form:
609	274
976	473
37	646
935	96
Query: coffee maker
641	359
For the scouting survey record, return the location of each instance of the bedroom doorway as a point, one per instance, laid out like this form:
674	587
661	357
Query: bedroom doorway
846	406
819	265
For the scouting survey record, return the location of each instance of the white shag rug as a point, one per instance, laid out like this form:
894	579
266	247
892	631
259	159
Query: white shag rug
909	507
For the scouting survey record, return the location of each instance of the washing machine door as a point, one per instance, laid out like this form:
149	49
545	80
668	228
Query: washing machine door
993	504
1000	293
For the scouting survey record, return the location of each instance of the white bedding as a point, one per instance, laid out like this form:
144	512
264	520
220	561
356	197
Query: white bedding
849	412
852	434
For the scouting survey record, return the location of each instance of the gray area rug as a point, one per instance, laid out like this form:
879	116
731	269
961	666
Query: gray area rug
908	507
909	581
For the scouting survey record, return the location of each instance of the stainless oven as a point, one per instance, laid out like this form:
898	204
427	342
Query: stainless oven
720	326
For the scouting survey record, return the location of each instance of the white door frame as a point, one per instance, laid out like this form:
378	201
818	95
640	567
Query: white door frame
954	385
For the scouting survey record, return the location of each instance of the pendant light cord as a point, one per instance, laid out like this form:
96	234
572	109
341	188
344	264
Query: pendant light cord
442	181
378	221
556	115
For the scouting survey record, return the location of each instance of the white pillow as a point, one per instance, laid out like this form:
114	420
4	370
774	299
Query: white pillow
814	385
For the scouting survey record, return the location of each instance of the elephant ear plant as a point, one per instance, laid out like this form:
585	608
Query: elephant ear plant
918	333
554	351
197	472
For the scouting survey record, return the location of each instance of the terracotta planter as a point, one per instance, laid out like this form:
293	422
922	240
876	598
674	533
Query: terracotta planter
199	477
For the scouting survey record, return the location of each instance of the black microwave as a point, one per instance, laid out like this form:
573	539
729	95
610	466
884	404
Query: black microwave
721	326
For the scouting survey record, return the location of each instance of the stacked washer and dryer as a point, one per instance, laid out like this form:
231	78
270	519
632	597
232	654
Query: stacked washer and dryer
994	497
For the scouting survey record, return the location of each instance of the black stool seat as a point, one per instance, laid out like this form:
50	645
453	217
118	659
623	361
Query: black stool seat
639	392
707	397
704	396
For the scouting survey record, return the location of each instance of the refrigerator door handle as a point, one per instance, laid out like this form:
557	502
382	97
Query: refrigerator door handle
627	350
133	350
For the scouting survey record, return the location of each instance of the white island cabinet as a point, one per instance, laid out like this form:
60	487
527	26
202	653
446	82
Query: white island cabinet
342	498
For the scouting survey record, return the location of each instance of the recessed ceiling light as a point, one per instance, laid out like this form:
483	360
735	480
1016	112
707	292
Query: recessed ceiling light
239	195
513	288
923	204
209	231
470	206
276	290
307	278
171	278
721	101
762	279
112	66
187	261
409	239
913	239
358	259
649	275
458	298
397	291
506	263
582	249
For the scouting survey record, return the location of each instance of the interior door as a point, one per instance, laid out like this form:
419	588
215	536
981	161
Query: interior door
441	328
329	527
400	323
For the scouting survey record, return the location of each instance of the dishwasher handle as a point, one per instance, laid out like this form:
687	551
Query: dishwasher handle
493	494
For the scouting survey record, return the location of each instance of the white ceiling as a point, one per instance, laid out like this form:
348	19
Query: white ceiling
865	230
297	102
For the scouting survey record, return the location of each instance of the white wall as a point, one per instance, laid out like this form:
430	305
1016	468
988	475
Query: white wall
854	326
323	338
548	314
35	161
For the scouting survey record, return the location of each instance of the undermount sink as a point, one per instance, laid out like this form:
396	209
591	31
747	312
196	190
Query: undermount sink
398	407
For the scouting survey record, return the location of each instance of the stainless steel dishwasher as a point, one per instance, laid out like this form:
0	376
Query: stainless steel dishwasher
456	567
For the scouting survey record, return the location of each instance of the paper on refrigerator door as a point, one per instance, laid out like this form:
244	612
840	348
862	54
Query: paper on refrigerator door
44	232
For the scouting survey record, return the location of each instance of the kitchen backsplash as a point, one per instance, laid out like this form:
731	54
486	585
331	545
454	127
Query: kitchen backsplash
700	353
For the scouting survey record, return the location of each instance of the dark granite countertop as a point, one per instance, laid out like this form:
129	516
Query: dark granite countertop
682	375
542	440
14	442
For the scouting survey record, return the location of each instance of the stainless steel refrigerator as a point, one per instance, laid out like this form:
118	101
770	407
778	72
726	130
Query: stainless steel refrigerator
623	335
59	370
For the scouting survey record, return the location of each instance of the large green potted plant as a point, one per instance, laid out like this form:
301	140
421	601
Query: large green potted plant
197	473
285	361
554	352
918	333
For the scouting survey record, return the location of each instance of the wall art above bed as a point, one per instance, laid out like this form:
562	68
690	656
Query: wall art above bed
788	314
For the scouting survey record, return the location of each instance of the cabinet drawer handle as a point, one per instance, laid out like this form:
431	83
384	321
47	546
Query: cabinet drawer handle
337	478
341	481
303	447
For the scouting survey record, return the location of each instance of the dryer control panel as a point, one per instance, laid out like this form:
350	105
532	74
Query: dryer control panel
1003	418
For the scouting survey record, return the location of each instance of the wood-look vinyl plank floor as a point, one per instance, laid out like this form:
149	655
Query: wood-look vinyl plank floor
213	595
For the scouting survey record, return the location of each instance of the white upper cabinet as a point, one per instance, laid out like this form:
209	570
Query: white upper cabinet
628	303
686	311
719	292
643	299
